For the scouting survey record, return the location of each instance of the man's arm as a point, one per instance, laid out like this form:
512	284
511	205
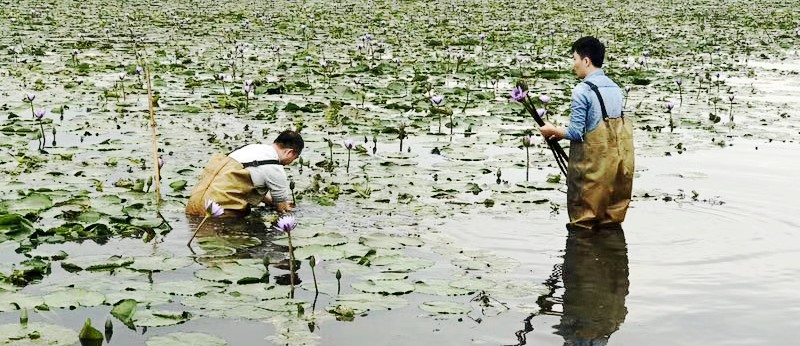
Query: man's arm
577	120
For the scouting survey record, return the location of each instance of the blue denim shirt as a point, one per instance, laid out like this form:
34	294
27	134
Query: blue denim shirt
586	113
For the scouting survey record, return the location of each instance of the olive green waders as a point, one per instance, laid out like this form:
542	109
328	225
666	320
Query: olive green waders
227	182
600	173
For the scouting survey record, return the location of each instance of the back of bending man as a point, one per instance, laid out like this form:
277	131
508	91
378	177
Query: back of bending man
248	176
600	169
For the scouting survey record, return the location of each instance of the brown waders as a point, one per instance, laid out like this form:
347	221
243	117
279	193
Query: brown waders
600	173
227	182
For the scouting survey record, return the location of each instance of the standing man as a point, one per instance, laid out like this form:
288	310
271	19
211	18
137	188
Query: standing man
248	176
600	170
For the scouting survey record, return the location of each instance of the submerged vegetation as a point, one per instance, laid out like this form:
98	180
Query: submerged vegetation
85	224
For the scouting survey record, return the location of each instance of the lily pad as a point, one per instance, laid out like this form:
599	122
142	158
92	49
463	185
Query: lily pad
319	251
159	263
325	239
439	288
400	263
95	263
186	288
74	297
160	318
443	307
37	333
473	284
393	287
231	273
389	241
363	302
186	339
10	301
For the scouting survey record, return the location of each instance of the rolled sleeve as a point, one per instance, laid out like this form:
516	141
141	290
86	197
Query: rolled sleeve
577	119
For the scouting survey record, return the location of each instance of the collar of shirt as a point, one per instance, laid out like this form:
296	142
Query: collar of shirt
597	73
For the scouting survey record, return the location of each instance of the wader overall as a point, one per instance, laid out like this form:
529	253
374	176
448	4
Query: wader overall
227	182
600	173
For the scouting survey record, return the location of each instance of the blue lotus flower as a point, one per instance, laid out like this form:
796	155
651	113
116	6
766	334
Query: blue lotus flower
286	223
518	94
213	209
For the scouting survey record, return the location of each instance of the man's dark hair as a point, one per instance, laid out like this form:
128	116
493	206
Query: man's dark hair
592	48
290	140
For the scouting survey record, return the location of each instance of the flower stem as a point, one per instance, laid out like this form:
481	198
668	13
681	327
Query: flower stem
197	230
527	162
291	264
348	161
41	127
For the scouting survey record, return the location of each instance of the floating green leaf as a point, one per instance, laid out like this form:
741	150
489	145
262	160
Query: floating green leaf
186	339
444	307
37	333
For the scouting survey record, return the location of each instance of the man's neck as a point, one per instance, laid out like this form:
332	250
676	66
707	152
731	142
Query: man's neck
591	70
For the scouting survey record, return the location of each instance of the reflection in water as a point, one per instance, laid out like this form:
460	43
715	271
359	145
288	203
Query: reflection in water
595	276
595	282
249	237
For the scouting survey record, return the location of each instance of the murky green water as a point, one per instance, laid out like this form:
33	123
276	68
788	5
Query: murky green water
441	243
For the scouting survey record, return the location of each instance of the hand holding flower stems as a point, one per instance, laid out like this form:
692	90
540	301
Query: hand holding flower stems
212	210
348	143
521	95
287	223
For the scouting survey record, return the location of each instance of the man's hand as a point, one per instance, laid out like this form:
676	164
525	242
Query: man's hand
284	207
550	132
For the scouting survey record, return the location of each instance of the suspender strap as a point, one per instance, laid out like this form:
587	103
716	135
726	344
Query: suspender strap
260	163
599	98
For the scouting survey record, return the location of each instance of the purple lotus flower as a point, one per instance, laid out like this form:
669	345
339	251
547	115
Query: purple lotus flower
679	81
544	99
75	52
30	97
309	58
323	63
482	36
122	75
367	37
396	60
541	112
669	106
160	163
437	100
286	223
39	113
213	209
139	70
518	94
526	141
348	143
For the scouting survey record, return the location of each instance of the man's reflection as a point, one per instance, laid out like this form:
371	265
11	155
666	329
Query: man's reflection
595	276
